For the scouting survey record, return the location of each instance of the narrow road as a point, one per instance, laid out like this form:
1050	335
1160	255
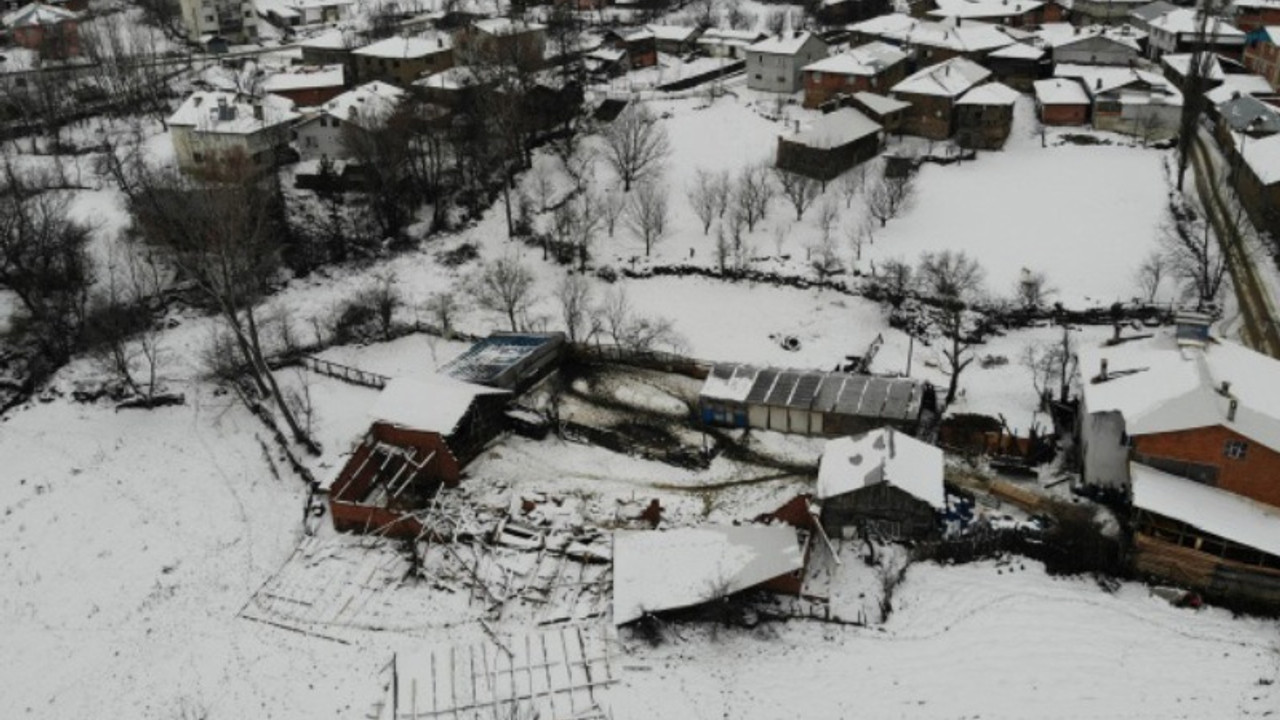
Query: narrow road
1256	307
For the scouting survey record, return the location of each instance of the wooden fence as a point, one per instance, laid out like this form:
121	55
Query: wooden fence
650	359
345	373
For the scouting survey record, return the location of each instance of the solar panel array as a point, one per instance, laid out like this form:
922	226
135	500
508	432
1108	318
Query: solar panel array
830	392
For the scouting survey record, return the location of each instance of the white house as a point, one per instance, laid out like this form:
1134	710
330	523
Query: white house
1177	31
363	107
775	64
212	125
1130	101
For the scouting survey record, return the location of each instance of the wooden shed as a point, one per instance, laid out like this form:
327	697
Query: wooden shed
811	402
883	483
834	143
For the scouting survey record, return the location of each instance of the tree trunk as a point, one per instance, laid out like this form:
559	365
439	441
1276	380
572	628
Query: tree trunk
298	433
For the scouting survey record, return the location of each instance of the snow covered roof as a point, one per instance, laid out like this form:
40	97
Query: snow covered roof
1100	79
729	382
1057	35
408	47
983	9
825	392
1060	91
1018	51
716	36
784	45
1185	21
655	570
882	456
835	129
992	93
435	404
673	33
1158	386
365	105
637	35
607	54
869	59
458	76
1257	4
880	104
216	111
908	31
1233	85
305	78
1151	10
1222	513
1181	64
38	14
506	26
951	78
329	40
1262	155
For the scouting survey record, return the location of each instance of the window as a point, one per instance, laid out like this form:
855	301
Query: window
758	76
1235	449
817	77
197	158
248	13
208	18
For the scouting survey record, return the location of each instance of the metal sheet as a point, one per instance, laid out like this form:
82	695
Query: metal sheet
723	371
781	392
829	392
851	396
872	404
806	391
763	384
900	391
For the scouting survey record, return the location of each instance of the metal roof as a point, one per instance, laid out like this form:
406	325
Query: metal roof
826	392
488	358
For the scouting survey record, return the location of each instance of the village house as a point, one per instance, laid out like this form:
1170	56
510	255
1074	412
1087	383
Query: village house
211	126
1234	85
605	62
288	14
1178	31
833	143
1062	101
933	93
1009	13
231	21
1135	102
332	47
1176	67
883	484
1094	45
423	433
400	60
889	112
874	67
639	47
453	88
810	402
308	86
929	43
516	42
675	39
775	64
1103	12
508	361
1245	114
52	31
1257	170
324	134
1262	54
1251	15
731	44
984	116
1142	15
1019	65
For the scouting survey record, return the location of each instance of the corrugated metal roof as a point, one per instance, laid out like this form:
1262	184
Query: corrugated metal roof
827	392
764	383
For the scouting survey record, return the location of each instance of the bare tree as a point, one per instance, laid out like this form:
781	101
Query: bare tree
1150	275
721	191
702	196
505	286
588	216
1196	81
752	195
647	214
724	248
575	297
636	144
121	329
852	182
612	206
1032	288
1045	361
1193	255
952	281
442	307
633	332
800	190
890	196
828	218
824	258
896	280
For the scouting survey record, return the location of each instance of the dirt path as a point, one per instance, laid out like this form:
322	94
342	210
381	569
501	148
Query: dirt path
1260	324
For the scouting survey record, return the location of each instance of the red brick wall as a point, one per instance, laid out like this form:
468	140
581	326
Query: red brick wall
818	91
446	465
311	97
1064	114
1256	475
929	116
1253	18
58	41
1264	59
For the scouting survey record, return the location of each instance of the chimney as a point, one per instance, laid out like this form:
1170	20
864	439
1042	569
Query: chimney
1115	333
1103	374
1225	388
1192	328
257	110
1231	410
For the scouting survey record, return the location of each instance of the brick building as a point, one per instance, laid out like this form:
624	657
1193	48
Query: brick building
1062	101
308	86
874	67
984	116
1250	15
400	60
1262	54
1009	13
930	43
933	93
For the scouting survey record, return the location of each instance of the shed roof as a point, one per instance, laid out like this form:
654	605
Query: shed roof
983	9
882	456
655	570
1060	91
992	93
836	129
489	357
1225	514
785	45
673	33
817	391
880	104
1233	85
951	78
433	404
